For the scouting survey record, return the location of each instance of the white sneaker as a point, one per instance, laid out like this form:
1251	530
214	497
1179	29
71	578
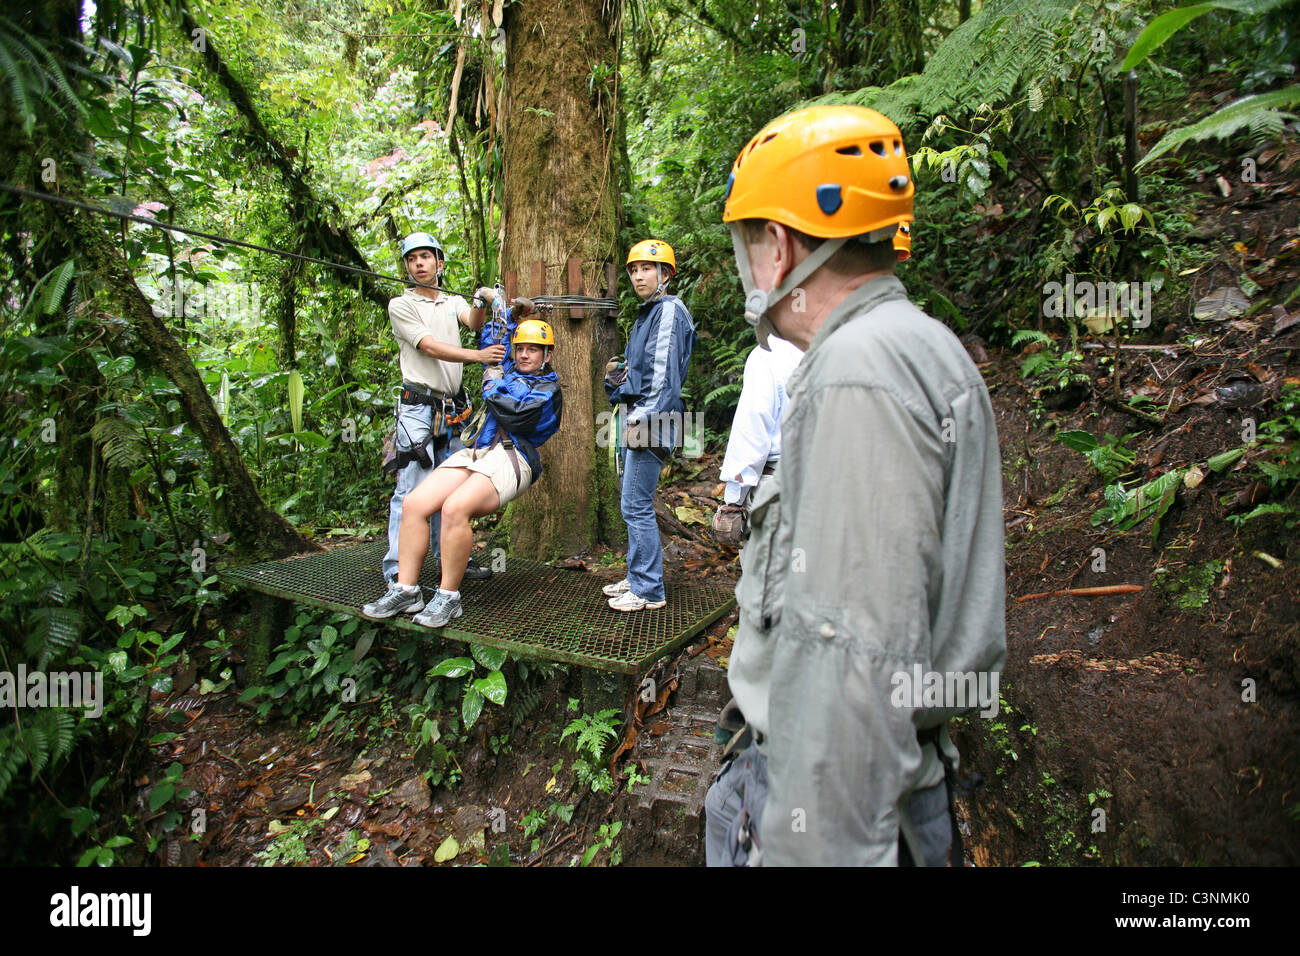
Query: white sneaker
627	601
614	590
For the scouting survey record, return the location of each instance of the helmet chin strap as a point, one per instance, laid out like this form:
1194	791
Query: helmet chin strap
758	302
662	272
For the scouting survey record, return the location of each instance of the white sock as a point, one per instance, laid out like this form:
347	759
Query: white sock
450	594
408	588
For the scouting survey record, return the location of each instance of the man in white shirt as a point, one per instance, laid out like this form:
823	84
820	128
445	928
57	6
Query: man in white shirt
754	446
426	323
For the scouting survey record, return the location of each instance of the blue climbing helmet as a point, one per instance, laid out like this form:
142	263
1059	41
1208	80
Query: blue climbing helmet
422	240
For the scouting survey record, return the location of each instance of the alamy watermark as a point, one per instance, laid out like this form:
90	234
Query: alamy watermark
1084	298
228	301
70	689
129	910
950	690
684	430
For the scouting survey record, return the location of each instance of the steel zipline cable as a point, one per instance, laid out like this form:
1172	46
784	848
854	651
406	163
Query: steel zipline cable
542	302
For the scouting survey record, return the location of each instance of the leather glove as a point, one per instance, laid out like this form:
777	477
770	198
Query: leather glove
731	524
615	372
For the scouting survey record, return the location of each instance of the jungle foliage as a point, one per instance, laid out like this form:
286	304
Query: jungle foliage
329	130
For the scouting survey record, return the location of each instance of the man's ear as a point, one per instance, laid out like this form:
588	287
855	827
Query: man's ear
781	244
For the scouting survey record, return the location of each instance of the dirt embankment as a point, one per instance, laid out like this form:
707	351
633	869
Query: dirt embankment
1157	727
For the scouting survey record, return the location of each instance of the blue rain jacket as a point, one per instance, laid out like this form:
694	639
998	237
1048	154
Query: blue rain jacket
658	355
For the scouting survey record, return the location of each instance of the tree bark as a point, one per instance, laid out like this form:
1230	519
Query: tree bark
561	202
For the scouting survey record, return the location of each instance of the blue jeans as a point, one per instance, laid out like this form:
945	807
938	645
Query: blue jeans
413	424
645	556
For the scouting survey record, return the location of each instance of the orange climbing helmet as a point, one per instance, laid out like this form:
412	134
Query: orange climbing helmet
534	332
903	241
829	171
653	250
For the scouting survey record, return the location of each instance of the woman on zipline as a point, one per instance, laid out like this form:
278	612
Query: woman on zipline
523	407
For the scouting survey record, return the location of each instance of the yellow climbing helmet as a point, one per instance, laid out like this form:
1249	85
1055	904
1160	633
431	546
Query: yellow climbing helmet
903	241
534	332
653	250
828	171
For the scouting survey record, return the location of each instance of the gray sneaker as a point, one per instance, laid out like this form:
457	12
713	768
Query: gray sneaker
396	601
440	611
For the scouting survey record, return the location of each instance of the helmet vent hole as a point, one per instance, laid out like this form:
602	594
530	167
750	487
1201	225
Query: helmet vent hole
878	148
898	182
849	151
898	147
768	138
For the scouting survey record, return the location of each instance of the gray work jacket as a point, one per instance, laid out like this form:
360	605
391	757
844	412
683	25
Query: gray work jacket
876	551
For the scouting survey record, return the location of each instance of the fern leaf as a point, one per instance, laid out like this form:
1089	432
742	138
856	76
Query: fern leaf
56	629
119	443
64	734
1262	108
11	758
18	83
983	61
38	747
58	286
1030	335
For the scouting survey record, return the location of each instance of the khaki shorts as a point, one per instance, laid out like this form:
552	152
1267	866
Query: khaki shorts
495	463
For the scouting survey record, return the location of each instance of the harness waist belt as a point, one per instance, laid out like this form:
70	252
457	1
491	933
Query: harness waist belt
417	395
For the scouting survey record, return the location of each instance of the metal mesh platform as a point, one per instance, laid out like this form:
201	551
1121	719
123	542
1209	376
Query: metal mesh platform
529	608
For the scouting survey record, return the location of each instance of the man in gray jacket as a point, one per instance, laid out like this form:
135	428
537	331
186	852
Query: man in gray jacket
872	595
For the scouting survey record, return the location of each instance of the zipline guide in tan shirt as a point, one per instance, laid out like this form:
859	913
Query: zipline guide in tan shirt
875	556
413	316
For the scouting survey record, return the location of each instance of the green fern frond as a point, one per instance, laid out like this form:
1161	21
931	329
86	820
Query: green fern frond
40	544
34	76
64	728
37	743
17	80
983	61
11	757
1259	112
729	391
49	290
1030	335
54	629
119	443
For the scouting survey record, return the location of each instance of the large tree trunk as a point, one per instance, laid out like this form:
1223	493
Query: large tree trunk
561	125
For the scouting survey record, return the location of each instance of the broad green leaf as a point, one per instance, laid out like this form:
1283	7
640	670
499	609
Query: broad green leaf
471	705
1225	460
493	687
1130	214
490	657
314	439
296	392
1077	440
160	795
453	667
1167	24
362	646
223	398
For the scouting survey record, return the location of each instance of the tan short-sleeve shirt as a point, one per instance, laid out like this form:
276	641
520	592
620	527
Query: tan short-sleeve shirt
414	316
